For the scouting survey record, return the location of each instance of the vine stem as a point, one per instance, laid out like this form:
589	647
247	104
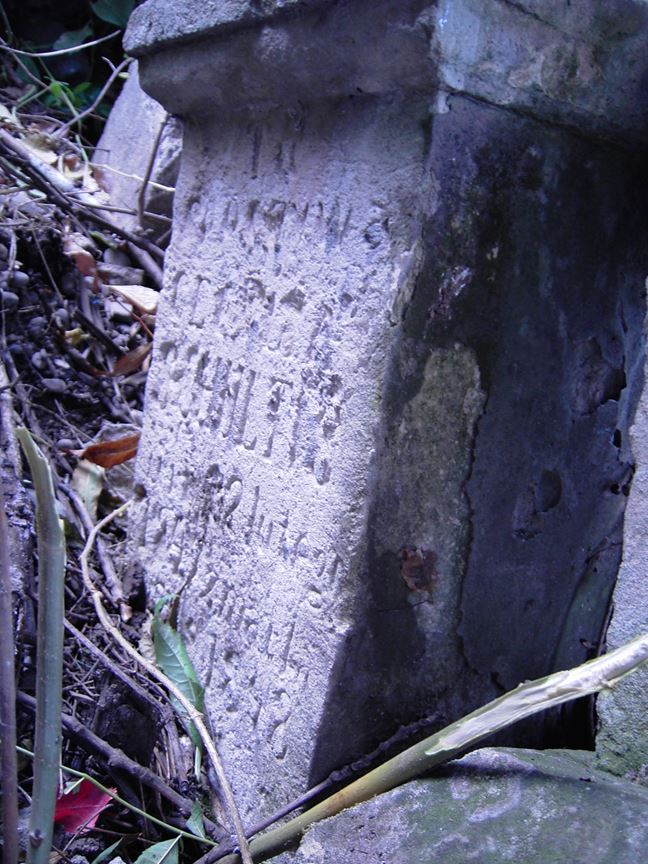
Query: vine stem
194	715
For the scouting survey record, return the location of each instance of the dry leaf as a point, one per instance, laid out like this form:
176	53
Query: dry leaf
111	453
131	362
88	482
141	298
40	146
74	246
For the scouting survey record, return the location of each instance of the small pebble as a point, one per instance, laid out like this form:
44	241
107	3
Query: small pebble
19	279
39	359
68	285
62	318
54	385
114	256
9	300
37	326
66	444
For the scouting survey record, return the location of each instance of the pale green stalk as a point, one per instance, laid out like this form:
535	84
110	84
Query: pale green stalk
49	654
529	698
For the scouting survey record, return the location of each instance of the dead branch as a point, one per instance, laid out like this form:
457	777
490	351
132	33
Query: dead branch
117	760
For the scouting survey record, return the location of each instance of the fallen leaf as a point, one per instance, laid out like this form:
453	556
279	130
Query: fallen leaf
74	245
111	453
131	362
88	482
195	823
144	299
78	811
40	146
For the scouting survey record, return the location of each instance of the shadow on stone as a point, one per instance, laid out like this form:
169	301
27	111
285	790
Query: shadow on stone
504	446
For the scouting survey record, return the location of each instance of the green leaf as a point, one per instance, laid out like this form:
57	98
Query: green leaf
172	658
72	38
195	822
161	853
115	12
102	856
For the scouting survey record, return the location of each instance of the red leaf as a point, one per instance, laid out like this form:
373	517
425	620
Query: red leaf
111	453
78	811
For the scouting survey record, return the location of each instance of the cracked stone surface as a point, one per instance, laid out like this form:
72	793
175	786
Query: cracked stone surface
399	349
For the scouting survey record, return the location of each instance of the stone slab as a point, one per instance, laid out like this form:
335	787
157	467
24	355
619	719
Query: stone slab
124	151
495	805
580	64
158	23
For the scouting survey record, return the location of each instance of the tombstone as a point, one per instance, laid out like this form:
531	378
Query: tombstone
385	457
139	139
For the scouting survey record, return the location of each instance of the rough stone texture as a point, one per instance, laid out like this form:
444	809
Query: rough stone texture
124	151
579	63
548	807
622	741
399	348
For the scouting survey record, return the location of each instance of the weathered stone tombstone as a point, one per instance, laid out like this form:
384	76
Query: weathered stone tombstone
128	144
385	454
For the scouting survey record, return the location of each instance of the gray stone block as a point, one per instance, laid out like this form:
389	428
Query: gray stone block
536	807
124	151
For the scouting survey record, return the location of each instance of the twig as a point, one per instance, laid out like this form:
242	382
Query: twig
113	582
146	262
140	693
122	801
154	672
7	702
111	169
527	699
141	195
57	187
116	760
49	654
22	65
67	126
128	211
61	51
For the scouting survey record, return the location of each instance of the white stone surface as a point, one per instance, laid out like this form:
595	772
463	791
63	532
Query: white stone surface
124	151
271	353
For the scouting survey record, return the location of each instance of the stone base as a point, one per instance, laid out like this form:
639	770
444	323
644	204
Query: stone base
495	805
